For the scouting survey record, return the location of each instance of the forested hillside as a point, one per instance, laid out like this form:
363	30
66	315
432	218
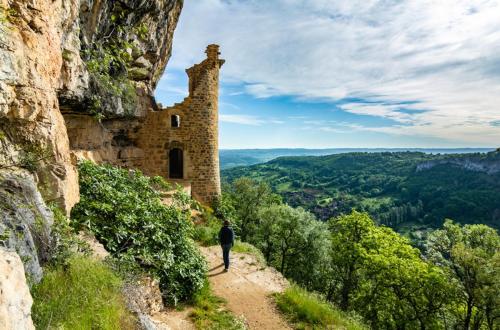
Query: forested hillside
399	189
368	271
245	157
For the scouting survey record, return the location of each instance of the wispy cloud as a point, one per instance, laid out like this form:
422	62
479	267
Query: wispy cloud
247	119
402	113
442	55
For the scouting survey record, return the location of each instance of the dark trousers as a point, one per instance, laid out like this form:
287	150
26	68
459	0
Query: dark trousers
225	254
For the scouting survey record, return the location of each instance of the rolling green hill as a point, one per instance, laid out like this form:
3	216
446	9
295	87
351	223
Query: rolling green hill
399	189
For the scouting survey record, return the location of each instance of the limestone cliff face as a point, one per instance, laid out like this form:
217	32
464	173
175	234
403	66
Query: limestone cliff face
15	298
30	121
489	164
25	220
95	58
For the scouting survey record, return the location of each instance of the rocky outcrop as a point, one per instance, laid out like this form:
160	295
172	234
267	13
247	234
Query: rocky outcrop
114	52
31	124
15	298
24	220
144	298
92	59
489	163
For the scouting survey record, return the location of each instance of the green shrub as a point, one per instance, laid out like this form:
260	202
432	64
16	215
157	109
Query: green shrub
209	312
84	294
223	207
124	210
309	311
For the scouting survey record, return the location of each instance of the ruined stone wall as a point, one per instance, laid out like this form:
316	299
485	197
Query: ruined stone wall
108	141
144	143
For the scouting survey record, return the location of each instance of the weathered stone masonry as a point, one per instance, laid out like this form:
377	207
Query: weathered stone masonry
187	154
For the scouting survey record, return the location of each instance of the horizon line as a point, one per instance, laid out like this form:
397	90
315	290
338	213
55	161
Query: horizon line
374	148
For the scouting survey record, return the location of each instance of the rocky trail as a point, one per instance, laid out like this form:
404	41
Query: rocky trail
246	288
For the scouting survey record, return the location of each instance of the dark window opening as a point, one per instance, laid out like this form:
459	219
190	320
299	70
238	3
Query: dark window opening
175	121
176	164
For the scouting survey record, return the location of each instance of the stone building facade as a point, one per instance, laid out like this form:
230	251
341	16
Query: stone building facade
179	143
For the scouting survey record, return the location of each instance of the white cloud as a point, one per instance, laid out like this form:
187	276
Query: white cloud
444	54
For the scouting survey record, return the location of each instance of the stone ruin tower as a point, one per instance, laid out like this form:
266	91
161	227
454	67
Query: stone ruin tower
186	135
179	143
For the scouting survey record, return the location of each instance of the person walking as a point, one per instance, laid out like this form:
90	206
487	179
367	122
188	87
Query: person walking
226	240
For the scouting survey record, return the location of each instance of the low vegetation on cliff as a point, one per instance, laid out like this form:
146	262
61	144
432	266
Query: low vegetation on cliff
305	310
77	290
125	212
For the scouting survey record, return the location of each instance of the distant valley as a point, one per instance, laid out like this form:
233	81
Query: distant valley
245	157
405	190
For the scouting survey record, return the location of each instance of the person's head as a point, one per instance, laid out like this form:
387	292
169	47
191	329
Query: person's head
226	223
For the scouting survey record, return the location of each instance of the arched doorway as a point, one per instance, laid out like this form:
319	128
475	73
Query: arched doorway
175	164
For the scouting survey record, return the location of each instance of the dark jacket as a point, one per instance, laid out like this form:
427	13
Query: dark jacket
226	235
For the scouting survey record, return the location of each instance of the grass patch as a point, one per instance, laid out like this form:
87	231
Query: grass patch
243	247
309	311
83	294
210	314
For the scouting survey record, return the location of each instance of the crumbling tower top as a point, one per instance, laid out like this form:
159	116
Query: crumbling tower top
196	72
212	52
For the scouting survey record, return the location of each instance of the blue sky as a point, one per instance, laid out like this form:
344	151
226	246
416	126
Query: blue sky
325	73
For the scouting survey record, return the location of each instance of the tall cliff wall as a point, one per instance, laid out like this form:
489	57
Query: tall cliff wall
93	58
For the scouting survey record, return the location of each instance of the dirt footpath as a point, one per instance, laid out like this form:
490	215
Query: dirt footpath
246	288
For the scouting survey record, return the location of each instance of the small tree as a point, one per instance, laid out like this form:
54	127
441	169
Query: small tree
470	255
293	241
349	233
377	273
248	196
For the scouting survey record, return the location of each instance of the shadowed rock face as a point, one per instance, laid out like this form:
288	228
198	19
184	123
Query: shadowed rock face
24	220
136	35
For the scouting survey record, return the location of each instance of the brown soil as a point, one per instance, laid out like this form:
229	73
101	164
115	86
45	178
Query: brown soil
247	287
173	320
